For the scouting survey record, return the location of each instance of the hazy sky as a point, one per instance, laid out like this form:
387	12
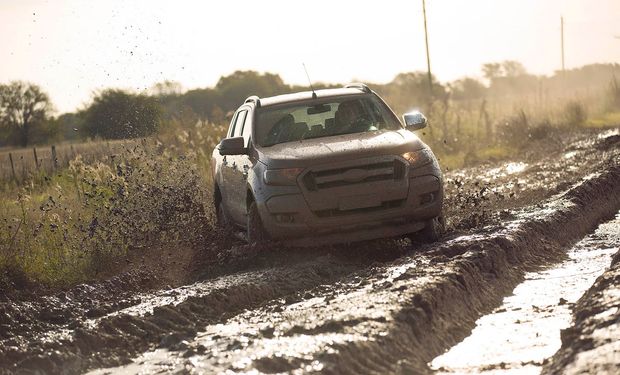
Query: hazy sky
72	48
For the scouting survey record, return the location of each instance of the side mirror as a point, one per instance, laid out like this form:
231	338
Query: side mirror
232	146
414	120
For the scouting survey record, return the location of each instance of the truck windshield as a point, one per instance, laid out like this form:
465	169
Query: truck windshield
322	118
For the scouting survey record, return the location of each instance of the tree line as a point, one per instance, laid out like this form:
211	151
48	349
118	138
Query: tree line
26	111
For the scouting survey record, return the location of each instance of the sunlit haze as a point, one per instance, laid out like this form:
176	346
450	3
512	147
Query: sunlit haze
71	48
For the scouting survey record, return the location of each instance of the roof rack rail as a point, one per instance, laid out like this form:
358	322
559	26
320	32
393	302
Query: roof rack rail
357	85
253	99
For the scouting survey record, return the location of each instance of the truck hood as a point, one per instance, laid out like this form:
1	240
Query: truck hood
311	152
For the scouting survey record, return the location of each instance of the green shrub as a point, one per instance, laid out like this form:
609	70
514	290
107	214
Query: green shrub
81	221
575	113
613	95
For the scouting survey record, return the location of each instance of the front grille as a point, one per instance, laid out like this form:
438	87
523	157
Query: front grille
325	179
336	212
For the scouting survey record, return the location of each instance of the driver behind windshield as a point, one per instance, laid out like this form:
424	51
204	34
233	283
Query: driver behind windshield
351	118
299	121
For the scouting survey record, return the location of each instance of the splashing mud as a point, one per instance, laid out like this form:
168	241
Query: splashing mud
384	306
507	169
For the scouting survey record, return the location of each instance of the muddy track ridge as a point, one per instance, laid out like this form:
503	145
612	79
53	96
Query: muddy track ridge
592	344
443	312
396	317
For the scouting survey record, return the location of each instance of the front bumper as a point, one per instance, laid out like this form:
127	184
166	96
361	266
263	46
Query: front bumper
403	209
359	234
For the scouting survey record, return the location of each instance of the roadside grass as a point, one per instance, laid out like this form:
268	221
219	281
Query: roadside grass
610	119
472	131
496	153
105	204
77	223
24	160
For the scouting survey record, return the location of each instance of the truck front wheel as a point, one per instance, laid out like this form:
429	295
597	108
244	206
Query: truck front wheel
433	229
222	218
256	233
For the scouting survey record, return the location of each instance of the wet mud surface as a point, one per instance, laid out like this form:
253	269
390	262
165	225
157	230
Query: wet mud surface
383	306
391	318
591	345
519	336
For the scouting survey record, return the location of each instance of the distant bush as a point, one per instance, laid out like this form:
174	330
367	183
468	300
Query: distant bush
116	114
575	113
467	88
613	95
541	130
515	130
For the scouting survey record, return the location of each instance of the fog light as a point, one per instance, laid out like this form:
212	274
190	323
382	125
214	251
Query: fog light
284	218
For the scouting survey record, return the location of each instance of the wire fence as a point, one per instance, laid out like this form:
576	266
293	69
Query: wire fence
19	164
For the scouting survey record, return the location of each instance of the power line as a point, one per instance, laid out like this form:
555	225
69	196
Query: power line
562	40
428	58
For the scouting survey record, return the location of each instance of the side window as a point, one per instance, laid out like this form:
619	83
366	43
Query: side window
246	132
239	123
231	128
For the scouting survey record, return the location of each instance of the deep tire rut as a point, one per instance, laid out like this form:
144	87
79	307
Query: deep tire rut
398	317
111	340
441	313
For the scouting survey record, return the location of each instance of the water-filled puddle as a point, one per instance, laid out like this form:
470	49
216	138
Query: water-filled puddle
519	335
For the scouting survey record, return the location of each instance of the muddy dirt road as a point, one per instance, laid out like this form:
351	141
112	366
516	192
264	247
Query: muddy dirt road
379	307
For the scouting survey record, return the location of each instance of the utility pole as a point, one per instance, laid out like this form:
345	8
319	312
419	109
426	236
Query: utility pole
428	57
562	41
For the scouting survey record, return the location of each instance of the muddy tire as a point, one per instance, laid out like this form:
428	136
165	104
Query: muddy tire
256	233
433	229
222	217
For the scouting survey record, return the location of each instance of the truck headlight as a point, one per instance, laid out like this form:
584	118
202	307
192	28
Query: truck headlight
286	176
418	158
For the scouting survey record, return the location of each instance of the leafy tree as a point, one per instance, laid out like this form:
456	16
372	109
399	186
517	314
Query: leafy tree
71	126
410	90
202	102
23	106
117	114
508	68
509	78
233	89
166	88
468	88
513	68
492	71
415	84
185	116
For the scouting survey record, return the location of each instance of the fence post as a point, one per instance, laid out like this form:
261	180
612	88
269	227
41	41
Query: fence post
54	159
12	166
36	159
24	173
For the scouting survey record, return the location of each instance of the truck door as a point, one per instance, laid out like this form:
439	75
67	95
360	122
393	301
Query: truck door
236	174
245	164
227	186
